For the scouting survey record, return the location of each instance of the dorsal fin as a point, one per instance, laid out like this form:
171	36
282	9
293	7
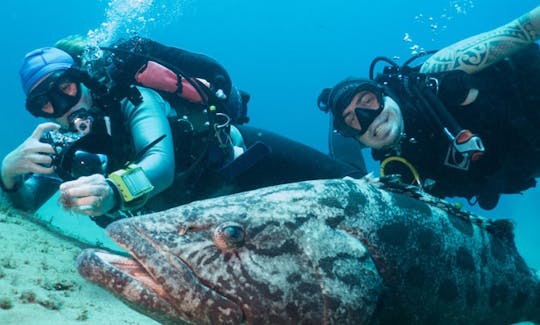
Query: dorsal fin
500	228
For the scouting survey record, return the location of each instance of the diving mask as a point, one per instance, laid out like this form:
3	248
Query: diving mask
61	90
369	105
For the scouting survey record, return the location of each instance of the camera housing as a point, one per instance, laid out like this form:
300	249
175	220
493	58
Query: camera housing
73	156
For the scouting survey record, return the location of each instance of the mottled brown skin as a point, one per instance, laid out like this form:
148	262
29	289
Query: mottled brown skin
321	252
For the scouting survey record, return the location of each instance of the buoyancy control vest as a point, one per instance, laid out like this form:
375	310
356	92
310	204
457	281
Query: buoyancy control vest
197	87
505	115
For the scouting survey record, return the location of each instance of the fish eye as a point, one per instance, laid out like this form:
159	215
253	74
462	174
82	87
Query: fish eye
229	235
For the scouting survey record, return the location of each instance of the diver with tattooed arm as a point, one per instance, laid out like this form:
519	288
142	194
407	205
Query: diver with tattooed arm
463	123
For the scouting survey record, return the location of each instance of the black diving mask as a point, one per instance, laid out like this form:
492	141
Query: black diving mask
61	90
370	104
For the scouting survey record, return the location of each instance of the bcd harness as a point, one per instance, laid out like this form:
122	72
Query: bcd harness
202	123
425	91
506	113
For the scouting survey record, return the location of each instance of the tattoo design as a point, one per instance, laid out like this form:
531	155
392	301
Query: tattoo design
478	52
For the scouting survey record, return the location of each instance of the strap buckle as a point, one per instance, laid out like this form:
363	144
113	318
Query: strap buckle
464	148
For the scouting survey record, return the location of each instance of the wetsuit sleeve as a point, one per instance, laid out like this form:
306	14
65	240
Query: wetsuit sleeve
147	122
34	191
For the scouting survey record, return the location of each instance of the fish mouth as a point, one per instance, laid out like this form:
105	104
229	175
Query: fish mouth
130	268
128	280
154	281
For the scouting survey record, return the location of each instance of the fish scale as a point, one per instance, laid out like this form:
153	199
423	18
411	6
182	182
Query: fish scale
343	251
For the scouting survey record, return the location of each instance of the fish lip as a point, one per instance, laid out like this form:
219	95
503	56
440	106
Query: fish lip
115	260
94	264
123	232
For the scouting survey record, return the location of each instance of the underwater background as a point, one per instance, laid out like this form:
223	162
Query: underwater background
281	52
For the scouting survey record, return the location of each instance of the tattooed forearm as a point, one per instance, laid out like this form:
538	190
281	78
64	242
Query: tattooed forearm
476	53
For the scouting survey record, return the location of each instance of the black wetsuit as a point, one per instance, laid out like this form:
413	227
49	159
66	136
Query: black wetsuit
181	157
139	50
506	116
289	161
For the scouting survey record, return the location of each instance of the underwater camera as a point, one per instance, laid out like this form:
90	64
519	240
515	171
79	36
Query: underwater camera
73	158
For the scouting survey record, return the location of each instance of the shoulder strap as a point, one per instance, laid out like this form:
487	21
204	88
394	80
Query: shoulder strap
422	90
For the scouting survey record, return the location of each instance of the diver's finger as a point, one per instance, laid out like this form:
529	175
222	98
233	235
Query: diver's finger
34	163
38	131
88	210
95	179
41	159
43	148
77	187
87	190
41	169
89	205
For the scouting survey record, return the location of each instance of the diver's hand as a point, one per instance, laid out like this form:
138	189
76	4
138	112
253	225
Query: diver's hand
90	195
32	156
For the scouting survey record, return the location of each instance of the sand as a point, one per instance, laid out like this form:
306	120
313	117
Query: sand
39	283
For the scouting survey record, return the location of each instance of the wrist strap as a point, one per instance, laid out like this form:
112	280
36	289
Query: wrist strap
120	203
117	197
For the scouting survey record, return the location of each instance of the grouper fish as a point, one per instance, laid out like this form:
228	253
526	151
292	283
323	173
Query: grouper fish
340	251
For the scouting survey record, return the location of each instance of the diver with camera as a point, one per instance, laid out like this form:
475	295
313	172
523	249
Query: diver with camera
151	128
82	147
76	153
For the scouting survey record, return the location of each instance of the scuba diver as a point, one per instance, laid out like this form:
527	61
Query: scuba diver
145	128
464	123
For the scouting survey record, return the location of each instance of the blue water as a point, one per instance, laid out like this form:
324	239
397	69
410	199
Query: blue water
282	52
